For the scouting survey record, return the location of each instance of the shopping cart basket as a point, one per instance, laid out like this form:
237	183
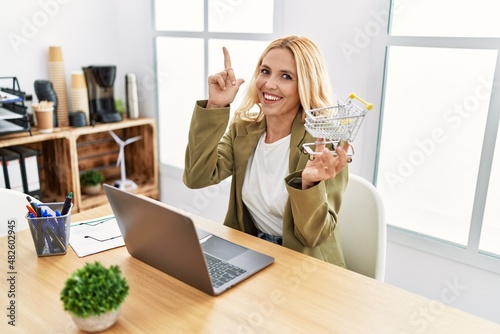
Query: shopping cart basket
334	124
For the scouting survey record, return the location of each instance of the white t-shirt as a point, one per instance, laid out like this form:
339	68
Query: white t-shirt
264	192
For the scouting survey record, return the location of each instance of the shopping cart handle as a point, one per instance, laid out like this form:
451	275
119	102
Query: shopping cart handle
369	106
312	152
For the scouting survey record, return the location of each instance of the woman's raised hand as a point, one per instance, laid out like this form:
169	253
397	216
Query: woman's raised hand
223	86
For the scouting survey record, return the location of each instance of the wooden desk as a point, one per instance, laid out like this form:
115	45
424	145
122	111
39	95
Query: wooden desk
297	294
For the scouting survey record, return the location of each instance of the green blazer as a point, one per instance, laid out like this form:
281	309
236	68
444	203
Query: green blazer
310	216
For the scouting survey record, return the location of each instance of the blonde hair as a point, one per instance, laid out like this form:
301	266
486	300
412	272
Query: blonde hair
313	82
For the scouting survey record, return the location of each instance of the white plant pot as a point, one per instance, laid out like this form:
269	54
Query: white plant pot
92	190
97	323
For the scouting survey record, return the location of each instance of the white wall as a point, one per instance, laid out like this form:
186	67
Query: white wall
94	32
90	32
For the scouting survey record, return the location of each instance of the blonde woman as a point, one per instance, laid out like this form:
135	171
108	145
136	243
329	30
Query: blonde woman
277	192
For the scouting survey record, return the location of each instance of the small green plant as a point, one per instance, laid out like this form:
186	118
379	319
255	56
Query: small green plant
94	290
119	106
91	178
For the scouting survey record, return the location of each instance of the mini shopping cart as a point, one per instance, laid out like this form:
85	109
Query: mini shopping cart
334	124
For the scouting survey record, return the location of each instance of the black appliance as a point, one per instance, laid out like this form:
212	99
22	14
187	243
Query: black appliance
100	83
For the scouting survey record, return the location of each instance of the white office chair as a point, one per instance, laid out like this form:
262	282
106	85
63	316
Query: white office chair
13	205
363	229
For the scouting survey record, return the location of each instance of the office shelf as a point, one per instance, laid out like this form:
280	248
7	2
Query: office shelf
68	152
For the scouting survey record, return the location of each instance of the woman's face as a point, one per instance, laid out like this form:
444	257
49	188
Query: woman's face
277	84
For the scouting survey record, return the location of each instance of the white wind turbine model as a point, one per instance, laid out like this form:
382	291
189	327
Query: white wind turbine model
123	183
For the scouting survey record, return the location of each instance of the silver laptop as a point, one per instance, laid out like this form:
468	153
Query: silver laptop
166	238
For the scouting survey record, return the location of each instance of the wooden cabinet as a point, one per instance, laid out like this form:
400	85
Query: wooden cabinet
68	152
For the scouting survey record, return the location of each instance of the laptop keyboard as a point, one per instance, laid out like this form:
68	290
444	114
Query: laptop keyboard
220	271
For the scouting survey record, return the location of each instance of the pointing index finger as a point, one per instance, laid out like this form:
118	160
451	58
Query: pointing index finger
227	66
227	58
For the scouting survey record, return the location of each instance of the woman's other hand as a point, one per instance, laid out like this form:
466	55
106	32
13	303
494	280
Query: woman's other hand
324	165
223	86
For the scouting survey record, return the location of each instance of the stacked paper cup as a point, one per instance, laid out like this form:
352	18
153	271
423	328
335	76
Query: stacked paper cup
79	95
58	77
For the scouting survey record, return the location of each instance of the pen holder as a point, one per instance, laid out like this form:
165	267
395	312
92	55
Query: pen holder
50	234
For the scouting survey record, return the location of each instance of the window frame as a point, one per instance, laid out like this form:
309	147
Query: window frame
469	254
206	35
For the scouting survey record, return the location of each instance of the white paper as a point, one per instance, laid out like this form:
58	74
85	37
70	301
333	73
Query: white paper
8	114
8	98
95	235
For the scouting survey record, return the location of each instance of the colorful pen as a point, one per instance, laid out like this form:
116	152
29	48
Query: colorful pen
30	209
33	204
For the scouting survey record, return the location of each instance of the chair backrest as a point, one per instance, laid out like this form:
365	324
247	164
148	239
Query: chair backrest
362	228
12	205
